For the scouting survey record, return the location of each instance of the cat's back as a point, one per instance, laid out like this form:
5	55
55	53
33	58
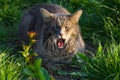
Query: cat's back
52	8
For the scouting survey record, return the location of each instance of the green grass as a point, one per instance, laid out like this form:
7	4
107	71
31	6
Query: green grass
105	64
10	68
100	23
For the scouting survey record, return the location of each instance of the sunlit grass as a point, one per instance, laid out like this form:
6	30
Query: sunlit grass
10	68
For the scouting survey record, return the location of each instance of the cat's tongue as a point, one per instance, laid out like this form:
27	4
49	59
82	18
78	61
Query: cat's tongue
60	43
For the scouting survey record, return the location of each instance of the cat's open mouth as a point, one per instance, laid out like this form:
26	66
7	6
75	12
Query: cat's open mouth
60	43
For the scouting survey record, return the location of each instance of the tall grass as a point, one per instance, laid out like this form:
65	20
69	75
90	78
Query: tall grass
9	16
10	68
104	65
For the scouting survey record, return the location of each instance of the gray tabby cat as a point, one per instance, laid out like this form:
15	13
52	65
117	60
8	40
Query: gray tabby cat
58	34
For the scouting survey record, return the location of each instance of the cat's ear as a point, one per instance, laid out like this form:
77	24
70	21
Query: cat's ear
46	15
76	16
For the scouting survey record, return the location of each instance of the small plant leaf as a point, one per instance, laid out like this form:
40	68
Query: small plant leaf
117	77
45	73
84	57
28	72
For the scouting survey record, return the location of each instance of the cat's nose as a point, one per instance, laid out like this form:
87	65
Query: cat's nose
61	34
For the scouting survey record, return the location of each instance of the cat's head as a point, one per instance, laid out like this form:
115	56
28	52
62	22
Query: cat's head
62	27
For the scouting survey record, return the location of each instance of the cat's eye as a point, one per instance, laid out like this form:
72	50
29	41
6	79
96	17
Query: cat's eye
66	28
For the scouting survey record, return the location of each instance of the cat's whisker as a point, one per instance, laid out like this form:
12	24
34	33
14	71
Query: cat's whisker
47	41
50	44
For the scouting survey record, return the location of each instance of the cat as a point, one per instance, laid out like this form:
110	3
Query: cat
58	36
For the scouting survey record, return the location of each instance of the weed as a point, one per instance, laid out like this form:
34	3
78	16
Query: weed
34	68
27	50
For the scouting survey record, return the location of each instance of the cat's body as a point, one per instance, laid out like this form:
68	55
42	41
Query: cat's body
58	35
